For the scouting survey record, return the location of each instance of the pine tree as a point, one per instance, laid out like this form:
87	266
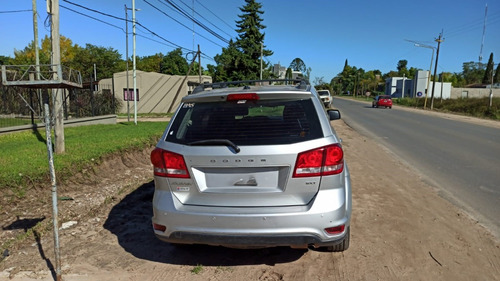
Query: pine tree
240	60
496	79
488	74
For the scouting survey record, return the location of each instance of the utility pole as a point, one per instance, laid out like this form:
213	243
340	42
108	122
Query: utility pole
403	89
199	63
261	54
35	32
59	123
37	56
126	54
134	66
439	40
491	89
56	67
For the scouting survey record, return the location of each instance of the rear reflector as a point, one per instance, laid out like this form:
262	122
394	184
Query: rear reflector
335	230
159	227
236	97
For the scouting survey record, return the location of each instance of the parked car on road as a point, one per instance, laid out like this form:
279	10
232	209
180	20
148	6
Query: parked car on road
252	166
326	98
380	101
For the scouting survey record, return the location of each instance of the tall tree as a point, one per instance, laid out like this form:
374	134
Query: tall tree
251	39
473	72
106	60
27	55
229	64
174	64
241	60
5	60
289	74
298	65
488	74
496	79
402	68
150	63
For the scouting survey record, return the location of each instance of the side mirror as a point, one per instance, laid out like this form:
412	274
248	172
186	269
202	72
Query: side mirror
334	114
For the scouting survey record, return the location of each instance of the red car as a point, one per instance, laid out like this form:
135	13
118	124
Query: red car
380	101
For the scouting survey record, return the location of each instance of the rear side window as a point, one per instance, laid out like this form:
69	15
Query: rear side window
253	122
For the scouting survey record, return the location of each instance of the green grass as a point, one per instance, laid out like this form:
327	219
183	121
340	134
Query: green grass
24	156
197	269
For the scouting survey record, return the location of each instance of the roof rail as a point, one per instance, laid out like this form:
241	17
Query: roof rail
300	84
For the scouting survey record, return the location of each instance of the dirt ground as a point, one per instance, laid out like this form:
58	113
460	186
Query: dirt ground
401	230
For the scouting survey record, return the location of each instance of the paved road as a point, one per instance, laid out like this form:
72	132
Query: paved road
461	159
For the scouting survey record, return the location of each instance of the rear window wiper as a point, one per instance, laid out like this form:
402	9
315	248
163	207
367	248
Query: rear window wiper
217	142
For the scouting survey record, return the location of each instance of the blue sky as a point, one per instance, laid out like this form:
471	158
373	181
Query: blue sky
323	33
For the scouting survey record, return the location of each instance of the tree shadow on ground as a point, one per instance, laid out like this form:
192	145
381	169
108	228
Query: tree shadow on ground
130	221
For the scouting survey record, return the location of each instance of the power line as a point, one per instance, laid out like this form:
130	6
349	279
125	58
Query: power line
95	11
186	14
159	10
172	44
473	25
74	11
215	15
17	11
192	9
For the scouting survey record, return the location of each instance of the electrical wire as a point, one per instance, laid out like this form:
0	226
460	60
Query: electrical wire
201	16
17	11
159	10
95	11
74	11
191	18
169	43
231	27
473	25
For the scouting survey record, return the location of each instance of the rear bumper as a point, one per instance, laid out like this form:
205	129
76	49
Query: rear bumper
247	241
295	226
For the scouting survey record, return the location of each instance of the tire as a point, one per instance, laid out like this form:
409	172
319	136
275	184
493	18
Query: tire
344	245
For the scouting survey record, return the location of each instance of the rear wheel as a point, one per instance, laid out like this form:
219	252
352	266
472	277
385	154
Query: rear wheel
344	245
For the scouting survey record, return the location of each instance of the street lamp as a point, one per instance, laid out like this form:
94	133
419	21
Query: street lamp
430	68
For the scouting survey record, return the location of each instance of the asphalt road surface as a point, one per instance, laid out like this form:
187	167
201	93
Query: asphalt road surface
461	159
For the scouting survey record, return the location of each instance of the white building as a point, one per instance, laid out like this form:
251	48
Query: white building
417	87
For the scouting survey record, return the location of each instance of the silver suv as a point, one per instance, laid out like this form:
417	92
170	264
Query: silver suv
252	166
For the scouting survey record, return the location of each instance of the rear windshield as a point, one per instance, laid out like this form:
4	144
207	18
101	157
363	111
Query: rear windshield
323	93
246	122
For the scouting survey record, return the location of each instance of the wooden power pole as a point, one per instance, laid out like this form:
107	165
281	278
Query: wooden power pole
57	94
59	123
439	40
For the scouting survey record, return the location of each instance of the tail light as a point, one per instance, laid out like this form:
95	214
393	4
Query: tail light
168	164
323	161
